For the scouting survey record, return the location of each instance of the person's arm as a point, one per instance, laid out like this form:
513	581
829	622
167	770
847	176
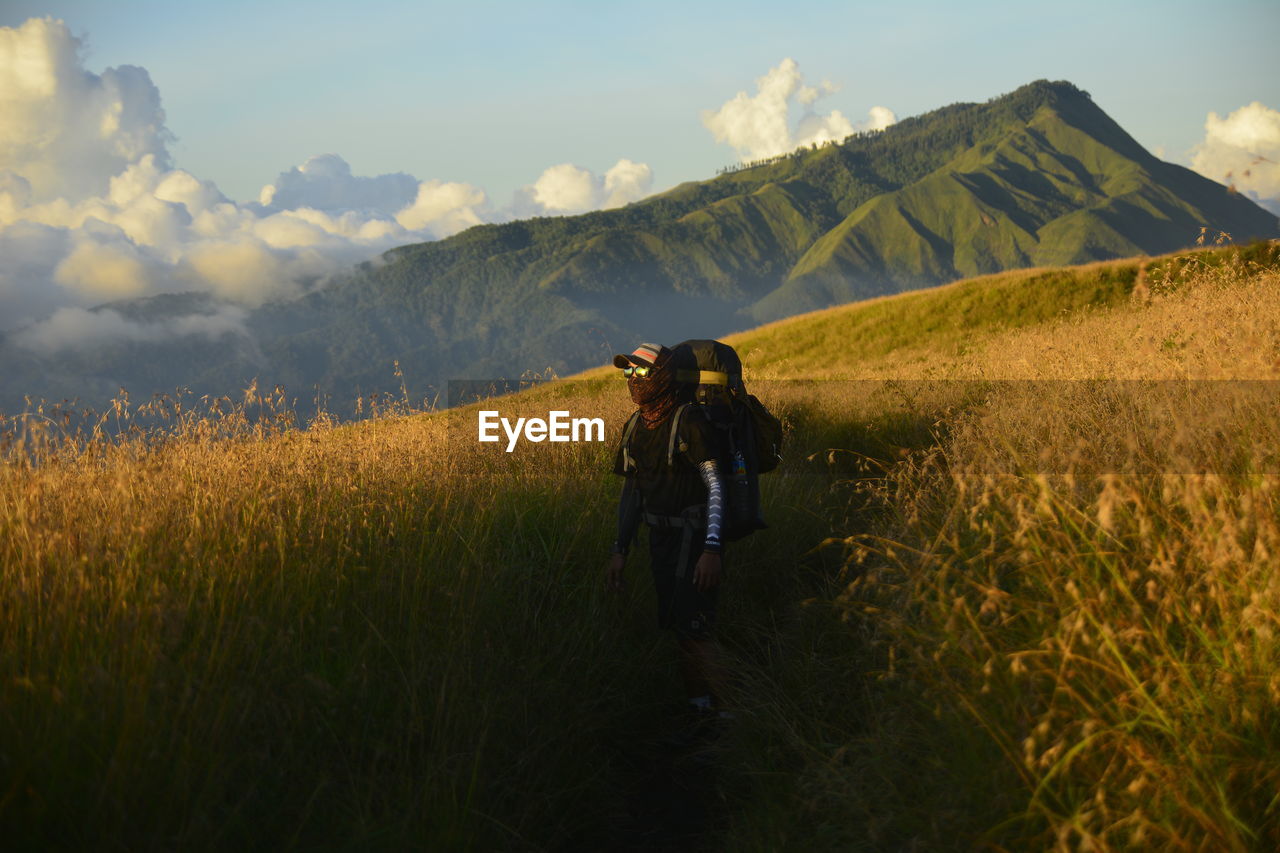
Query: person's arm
707	571
629	514
710	473
628	517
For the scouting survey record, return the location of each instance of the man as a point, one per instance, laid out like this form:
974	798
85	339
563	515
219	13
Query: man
673	484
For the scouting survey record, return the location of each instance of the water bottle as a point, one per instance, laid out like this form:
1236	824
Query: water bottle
740	500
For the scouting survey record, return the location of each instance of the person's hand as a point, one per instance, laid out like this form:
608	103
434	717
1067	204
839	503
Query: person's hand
706	575
615	579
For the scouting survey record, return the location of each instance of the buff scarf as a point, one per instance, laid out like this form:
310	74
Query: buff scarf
656	395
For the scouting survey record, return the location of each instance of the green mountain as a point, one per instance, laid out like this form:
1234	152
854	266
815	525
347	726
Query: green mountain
1040	176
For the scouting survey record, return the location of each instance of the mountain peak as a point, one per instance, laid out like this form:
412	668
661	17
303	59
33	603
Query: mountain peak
1046	91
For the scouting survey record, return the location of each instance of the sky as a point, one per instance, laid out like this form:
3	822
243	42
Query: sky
244	148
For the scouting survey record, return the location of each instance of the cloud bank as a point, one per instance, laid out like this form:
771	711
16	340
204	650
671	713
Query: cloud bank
761	125
76	328
92	208
1243	151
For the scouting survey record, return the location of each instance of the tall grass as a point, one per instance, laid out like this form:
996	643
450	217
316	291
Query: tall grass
217	630
1031	628
1063	622
276	639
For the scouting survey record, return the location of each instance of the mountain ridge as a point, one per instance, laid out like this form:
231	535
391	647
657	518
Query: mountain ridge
1038	177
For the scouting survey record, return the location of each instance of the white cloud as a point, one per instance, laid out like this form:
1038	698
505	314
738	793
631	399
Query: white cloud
185	189
29	253
625	182
103	270
76	328
1243	150
64	130
324	182
244	270
567	188
324	192
760	125
84	168
445	208
93	210
878	118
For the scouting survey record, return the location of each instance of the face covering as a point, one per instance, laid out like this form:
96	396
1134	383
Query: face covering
655	394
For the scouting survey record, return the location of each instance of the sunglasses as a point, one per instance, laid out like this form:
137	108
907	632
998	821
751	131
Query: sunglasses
636	370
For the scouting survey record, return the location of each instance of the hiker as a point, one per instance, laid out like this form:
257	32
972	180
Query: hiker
674	485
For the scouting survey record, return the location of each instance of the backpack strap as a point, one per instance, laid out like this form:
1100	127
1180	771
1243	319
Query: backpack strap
674	437
629	464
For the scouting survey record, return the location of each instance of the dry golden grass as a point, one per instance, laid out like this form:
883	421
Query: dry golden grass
228	632
241	633
1090	570
1223	323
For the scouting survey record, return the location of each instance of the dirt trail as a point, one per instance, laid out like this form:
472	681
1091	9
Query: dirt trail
671	796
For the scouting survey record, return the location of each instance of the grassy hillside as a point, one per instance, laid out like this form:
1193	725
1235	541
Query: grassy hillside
1068	186
854	341
1017	614
1040	176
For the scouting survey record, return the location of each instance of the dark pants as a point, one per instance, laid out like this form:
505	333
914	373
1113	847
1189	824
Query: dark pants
680	605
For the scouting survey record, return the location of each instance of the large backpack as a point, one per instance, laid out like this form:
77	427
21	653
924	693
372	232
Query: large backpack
749	436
